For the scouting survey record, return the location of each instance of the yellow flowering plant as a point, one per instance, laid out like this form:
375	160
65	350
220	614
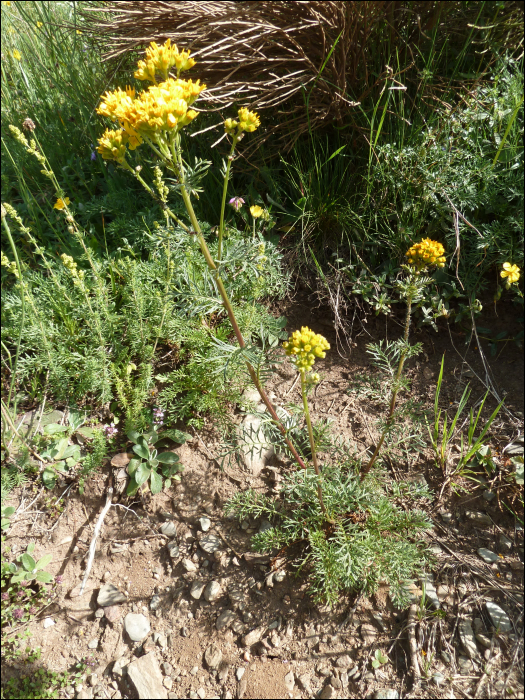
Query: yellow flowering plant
303	348
156	117
511	273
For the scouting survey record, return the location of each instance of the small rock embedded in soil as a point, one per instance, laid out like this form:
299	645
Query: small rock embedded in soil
212	591
189	565
210	543
48	622
144	673
488	556
137	626
446	517
205	524
155	602
480	520
225	619
213	656
253	637
197	587
169	529
468	640
386	694
499	617
289	681
110	595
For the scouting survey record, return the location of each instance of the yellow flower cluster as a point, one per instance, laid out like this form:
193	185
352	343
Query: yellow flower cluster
161	59
61	203
511	272
304	347
426	253
11	266
248	121
163	107
256	211
70	264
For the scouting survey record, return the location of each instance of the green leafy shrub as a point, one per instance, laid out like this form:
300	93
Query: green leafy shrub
365	541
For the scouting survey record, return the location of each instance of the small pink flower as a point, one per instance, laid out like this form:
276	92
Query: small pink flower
18	614
236	202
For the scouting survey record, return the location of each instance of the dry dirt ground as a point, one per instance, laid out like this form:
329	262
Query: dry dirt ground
299	649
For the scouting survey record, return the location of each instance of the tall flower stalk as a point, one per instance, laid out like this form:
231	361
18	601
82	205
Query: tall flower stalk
156	117
421	256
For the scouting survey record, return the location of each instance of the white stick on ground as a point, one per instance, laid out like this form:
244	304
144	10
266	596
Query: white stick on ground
94	540
411	626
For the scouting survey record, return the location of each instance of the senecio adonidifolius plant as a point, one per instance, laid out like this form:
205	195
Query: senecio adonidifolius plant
156	117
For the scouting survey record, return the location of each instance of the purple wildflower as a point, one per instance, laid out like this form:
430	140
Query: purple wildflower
18	613
158	415
5	596
236	202
33	610
110	431
59	580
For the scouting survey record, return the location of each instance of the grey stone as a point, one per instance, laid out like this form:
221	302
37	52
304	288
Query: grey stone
343	661
489	495
328	692
167	668
213	656
253	637
205	524
279	576
446	517
304	683
110	595
265	525
515	448
210	543
160	639
468	640
499	617
93	644
505	543
120	666
167	683
137	626
155	602
189	565
386	694
85	694
438	678
212	591
225	619
480	520
173	550
483	640
335	682
487	555
197	587
169	529
289	681
145	675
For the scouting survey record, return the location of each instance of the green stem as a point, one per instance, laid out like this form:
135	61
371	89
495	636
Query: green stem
22	297
312	442
224	191
395	391
231	315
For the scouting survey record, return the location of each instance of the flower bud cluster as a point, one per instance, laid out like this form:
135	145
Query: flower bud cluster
71	266
426	253
304	346
110	430
247	121
10	266
158	417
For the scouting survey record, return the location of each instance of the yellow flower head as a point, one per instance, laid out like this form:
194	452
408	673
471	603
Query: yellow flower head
17	55
511	272
161	59
248	121
112	145
256	211
426	253
39	24
61	203
161	107
304	347
230	125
